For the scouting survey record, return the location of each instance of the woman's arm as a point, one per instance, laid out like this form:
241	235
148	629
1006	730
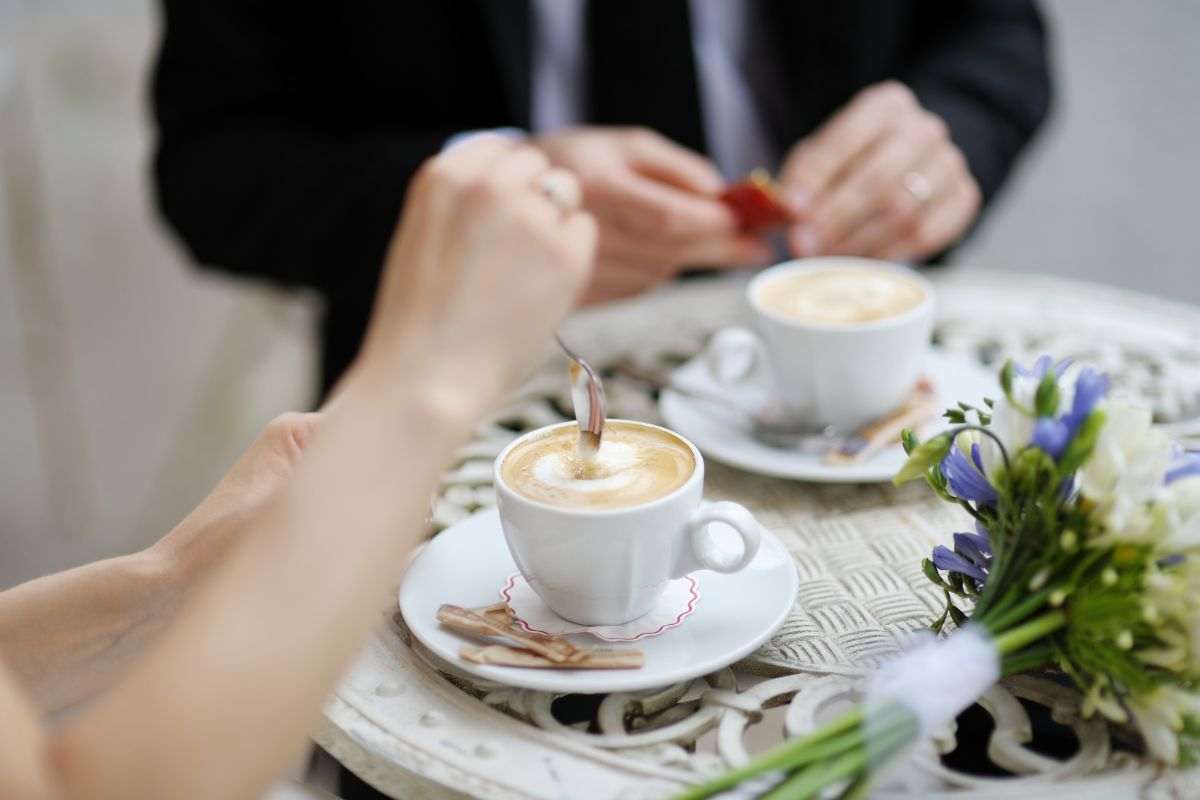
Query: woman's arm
489	266
70	635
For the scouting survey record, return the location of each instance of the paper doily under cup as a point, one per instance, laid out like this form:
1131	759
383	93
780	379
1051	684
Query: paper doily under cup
678	601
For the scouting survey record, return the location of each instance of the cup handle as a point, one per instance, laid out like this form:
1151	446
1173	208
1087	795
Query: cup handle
734	355
700	550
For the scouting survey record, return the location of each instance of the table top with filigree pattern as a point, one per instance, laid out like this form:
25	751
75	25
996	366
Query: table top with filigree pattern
415	727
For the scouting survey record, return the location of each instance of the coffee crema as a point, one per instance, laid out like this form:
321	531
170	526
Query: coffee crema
635	464
840	296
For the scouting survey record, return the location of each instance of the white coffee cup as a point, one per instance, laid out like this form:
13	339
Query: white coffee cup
841	375
607	566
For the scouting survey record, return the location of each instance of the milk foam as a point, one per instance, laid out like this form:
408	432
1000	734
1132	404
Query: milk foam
841	296
634	465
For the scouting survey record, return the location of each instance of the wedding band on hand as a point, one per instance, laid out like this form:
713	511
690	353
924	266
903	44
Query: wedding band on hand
918	186
561	188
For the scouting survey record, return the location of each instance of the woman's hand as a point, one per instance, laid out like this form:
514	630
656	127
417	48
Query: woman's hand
484	265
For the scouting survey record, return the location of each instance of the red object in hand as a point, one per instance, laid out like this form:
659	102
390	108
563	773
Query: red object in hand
755	201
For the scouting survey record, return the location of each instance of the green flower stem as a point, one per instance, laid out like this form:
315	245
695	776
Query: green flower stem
838	750
1013	640
809	781
1026	660
835	737
1001	617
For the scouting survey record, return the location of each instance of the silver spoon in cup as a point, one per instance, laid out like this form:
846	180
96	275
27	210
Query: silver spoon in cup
587	395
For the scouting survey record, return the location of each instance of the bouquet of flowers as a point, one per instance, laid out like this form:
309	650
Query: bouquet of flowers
1084	559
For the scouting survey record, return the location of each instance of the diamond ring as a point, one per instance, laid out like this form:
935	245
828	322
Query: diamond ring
918	186
561	188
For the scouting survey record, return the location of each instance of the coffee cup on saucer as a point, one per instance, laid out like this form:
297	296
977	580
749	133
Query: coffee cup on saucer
837	341
599	539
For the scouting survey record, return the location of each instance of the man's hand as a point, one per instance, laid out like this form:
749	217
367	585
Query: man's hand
881	178
656	206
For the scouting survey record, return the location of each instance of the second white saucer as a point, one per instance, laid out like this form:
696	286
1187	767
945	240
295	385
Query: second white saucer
724	436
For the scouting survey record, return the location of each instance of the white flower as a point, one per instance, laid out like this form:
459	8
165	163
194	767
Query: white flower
1125	472
1159	717
1180	506
1012	424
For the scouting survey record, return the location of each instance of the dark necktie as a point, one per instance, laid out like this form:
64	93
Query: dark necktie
641	69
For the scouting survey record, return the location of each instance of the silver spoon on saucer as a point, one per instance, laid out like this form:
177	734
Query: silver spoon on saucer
587	395
771	424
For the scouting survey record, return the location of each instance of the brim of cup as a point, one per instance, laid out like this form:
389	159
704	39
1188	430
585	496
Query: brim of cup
827	264
502	487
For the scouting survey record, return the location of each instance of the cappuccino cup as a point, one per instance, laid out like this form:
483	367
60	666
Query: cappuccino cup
838	341
599	540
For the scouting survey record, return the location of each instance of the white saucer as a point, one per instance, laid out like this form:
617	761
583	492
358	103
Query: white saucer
722	435
468	563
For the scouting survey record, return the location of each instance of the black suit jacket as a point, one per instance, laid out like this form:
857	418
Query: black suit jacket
288	131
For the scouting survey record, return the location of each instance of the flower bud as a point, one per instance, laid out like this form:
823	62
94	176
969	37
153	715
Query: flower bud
1125	640
1150	613
1109	576
1039	579
1057	598
1068	540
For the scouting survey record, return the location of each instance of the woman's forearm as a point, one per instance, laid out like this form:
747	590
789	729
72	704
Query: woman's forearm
254	652
67	636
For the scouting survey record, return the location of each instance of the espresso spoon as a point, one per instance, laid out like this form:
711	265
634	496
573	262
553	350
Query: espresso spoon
772	424
587	395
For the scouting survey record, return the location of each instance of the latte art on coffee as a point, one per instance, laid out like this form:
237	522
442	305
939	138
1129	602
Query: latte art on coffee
841	296
635	464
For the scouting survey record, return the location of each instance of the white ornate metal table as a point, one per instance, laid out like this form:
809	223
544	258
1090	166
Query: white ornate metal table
415	727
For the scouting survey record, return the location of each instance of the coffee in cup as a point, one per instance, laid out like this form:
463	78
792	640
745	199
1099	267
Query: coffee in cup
839	341
600	547
635	464
840	296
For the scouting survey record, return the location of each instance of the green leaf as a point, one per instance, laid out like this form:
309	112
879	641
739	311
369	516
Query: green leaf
932	573
1006	378
957	615
954	416
1080	447
923	457
989	402
1045	403
908	440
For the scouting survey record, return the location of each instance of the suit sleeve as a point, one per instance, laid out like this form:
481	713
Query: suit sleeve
982	66
259	169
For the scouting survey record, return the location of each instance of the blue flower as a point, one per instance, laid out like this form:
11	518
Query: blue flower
947	560
966	477
971	556
973	546
1184	467
1090	388
1041	366
1052	435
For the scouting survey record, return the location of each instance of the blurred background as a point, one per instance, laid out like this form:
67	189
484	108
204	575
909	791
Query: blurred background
129	380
